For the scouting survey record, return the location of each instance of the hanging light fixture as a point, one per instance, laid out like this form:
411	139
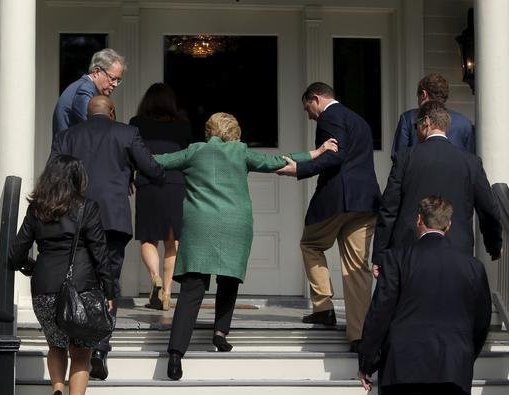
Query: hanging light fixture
466	43
199	46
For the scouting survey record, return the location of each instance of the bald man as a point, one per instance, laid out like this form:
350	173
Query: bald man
111	151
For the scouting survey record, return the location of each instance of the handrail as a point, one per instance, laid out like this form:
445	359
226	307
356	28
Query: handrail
501	294
9	343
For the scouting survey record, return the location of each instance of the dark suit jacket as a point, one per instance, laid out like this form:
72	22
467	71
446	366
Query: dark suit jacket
436	167
429	315
461	132
347	180
54	241
163	137
71	107
110	152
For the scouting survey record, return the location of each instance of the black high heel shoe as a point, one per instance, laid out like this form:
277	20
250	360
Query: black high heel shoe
221	344
174	371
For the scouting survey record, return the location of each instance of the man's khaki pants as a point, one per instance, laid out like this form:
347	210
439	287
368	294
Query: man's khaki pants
353	232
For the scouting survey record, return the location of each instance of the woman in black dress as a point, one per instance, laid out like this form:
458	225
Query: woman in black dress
159	207
51	222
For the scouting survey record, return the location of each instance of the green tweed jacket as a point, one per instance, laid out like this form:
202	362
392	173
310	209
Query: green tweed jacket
218	220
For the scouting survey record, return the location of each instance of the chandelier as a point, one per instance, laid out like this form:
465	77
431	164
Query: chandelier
199	46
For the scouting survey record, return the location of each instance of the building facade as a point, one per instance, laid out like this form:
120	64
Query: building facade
414	37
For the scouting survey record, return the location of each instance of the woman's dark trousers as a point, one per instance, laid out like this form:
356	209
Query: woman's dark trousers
192	291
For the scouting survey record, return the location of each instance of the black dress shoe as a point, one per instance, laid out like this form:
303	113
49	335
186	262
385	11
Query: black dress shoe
99	365
174	371
354	346
221	344
326	317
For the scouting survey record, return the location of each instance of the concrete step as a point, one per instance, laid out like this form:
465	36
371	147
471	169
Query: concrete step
301	365
251	387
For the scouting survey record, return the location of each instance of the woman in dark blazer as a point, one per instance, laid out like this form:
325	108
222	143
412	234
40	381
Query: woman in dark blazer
51	222
159	207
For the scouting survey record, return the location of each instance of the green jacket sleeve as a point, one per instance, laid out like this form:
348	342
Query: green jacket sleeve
175	160
267	163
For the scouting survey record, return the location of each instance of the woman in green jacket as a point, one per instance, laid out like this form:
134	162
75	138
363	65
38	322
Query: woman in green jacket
217	226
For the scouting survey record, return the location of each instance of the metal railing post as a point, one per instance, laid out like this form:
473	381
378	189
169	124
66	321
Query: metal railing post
9	343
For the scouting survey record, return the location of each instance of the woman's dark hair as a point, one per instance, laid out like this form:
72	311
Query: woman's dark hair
159	103
61	186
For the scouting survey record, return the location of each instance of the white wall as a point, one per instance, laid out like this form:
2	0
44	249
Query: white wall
443	21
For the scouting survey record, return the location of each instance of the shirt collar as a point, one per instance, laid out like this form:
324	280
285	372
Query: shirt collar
330	104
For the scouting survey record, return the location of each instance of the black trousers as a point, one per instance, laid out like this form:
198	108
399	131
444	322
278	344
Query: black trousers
115	243
192	291
422	389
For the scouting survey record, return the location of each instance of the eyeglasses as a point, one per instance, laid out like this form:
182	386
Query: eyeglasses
111	78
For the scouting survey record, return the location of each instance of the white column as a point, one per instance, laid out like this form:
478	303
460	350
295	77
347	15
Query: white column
17	104
129	44
492	85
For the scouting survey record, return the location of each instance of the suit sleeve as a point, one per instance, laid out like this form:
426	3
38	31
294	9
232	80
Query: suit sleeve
19	249
80	103
389	208
267	163
143	159
328	159
95	240
381	310
176	160
487	210
401	137
470	143
482	309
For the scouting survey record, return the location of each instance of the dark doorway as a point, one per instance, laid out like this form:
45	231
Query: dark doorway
357	80
240	78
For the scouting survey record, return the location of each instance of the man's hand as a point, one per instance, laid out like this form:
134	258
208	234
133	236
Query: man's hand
111	305
290	169
365	381
375	269
329	145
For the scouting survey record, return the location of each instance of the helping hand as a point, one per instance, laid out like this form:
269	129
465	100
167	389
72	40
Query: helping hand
329	145
290	169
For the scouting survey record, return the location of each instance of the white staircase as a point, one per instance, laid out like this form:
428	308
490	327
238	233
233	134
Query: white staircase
281	360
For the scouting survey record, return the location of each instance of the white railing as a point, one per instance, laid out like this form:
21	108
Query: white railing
501	294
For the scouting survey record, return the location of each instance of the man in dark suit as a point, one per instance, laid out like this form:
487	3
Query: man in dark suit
437	167
433	87
110	152
343	208
104	75
430	313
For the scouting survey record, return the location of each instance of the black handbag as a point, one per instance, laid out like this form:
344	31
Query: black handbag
82	315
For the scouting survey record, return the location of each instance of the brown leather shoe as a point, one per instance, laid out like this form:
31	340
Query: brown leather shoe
326	317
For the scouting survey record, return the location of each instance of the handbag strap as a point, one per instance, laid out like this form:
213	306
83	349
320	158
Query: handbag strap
75	241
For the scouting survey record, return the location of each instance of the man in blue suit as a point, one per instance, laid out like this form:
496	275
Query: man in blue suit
104	75
343	208
461	131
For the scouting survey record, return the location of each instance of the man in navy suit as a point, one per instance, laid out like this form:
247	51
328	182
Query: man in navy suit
436	167
461	131
430	313
110	151
343	208
104	75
